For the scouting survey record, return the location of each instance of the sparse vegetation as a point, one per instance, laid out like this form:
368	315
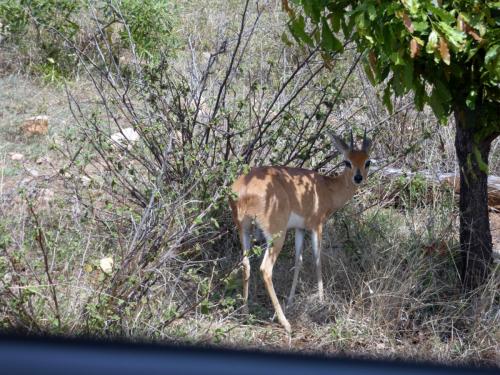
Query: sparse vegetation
110	235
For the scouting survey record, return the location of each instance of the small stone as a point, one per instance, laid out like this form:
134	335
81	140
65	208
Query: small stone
7	278
16	156
106	265
127	137
33	172
85	180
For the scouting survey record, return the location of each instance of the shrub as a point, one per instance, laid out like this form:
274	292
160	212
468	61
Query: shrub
47	32
150	24
42	30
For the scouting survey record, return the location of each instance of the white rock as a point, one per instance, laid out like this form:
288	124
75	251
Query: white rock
126	138
85	180
7	278
33	172
106	265
16	156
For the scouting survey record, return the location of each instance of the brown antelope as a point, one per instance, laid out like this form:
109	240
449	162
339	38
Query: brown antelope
276	199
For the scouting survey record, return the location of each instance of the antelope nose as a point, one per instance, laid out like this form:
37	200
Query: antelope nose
358	178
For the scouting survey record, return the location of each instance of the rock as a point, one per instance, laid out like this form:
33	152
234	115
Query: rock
85	180
33	172
106	265
38	125
7	278
126	138
16	156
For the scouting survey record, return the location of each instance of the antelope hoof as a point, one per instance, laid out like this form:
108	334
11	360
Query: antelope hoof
288	327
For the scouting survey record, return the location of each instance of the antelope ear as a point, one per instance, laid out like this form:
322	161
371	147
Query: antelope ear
339	144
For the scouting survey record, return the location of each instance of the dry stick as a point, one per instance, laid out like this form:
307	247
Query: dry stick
292	155
124	98
40	238
247	153
330	110
229	70
288	102
329	158
21	310
141	199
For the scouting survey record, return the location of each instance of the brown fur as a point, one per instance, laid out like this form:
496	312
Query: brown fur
269	195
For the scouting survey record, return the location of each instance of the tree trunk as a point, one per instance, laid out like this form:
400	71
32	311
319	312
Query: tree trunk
475	235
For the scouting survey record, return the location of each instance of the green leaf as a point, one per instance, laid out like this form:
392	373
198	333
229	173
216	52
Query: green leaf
360	20
454	36
285	39
205	307
436	103
441	13
432	42
442	90
420	26
420	94
492	62
397	85
335	19
347	27
397	59
408	74
411	5
470	101
297	27
312	9
328	41
386	99
372	12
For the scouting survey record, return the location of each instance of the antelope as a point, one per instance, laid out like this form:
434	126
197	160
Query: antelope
274	199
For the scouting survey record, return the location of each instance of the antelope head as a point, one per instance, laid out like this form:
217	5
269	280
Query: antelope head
356	161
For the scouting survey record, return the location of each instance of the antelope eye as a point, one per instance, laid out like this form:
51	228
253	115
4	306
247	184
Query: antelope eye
367	164
347	163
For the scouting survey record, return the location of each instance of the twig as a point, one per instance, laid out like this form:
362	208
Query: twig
40	238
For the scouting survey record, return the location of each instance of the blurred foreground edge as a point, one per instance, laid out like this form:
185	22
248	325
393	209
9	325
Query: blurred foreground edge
50	355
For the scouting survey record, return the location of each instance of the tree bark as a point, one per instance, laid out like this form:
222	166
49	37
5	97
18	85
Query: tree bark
475	235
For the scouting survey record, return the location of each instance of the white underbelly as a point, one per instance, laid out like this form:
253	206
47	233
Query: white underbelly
295	221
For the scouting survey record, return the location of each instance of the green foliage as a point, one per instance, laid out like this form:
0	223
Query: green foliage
17	15
150	23
412	191
48	24
47	30
453	46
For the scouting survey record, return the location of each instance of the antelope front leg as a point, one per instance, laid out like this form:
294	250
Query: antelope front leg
299	241
272	252
316	245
